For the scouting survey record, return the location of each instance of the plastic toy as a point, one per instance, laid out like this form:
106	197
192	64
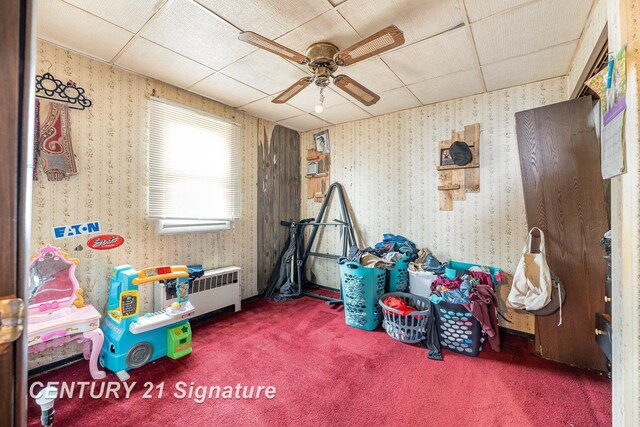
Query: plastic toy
132	340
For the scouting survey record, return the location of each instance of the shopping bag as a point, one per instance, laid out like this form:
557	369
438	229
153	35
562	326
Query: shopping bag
531	288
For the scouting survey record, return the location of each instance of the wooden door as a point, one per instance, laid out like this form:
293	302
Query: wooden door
278	194
564	196
16	83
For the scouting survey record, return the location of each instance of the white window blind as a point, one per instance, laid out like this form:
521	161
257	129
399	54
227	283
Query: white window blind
193	164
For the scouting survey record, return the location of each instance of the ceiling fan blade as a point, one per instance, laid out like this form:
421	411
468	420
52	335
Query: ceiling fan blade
273	47
382	41
292	90
356	90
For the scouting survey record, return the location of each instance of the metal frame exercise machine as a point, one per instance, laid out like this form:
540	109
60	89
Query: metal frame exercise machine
348	240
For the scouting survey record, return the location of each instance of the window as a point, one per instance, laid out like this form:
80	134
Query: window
193	169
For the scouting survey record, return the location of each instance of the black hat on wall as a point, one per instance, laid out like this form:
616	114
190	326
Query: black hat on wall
460	153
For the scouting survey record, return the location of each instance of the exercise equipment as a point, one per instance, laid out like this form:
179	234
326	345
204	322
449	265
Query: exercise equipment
288	282
132	340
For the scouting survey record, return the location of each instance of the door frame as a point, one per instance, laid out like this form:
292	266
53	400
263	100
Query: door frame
18	50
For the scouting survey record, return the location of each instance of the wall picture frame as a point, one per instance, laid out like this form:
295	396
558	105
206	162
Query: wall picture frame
321	141
445	157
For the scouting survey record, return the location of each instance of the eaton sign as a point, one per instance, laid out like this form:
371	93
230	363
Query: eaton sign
76	229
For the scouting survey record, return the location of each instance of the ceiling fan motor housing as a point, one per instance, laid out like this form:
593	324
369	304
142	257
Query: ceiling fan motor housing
321	55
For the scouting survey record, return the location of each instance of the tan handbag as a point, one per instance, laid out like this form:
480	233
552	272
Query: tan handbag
531	287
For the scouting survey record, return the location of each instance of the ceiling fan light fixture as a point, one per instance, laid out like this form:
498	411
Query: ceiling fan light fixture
319	108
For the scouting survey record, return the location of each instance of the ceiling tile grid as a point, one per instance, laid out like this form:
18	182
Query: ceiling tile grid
419	19
193	32
226	90
530	28
453	48
438	56
152	60
343	113
266	109
73	28
130	15
304	123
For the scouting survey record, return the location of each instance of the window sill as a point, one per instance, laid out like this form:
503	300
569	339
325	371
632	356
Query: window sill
169	226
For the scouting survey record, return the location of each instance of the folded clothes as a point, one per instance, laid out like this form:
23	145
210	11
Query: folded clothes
399	304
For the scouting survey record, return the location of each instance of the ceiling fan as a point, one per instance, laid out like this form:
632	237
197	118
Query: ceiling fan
323	60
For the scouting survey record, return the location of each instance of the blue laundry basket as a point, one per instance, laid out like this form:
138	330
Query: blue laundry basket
399	276
361	289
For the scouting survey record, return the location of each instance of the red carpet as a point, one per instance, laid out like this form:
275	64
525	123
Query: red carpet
327	373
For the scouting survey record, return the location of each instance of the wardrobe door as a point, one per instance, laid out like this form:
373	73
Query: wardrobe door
564	196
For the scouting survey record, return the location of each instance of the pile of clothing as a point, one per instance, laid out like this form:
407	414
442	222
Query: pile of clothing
473	289
384	254
399	304
426	261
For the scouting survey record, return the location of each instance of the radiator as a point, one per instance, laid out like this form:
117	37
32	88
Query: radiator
216	289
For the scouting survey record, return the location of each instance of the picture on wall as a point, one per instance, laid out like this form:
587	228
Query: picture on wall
321	141
445	157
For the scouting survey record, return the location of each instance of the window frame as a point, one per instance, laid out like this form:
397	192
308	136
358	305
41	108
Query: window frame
166	226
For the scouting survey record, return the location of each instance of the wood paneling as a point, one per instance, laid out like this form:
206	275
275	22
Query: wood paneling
563	190
278	193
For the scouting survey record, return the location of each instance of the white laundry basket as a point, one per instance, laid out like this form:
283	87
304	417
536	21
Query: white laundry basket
420	282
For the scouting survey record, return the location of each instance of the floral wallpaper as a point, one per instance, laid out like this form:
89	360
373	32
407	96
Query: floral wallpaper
387	166
110	140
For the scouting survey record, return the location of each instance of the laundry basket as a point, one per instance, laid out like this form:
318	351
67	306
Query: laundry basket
361	288
399	276
458	330
410	328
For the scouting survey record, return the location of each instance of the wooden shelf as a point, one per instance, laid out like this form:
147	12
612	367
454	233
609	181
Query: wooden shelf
454	167
448	187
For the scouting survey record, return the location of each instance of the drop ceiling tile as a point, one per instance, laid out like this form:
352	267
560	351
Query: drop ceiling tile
328	27
337	2
130	15
393	100
479	9
343	113
418	19
70	27
303	123
438	56
264	71
448	87
266	109
309	97
270	18
374	74
192	31
226	90
149	59
530	28
545	64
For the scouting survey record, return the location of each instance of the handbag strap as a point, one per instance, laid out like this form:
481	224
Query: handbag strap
542	245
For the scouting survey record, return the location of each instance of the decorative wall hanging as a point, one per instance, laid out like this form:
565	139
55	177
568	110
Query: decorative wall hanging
56	150
48	87
459	166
